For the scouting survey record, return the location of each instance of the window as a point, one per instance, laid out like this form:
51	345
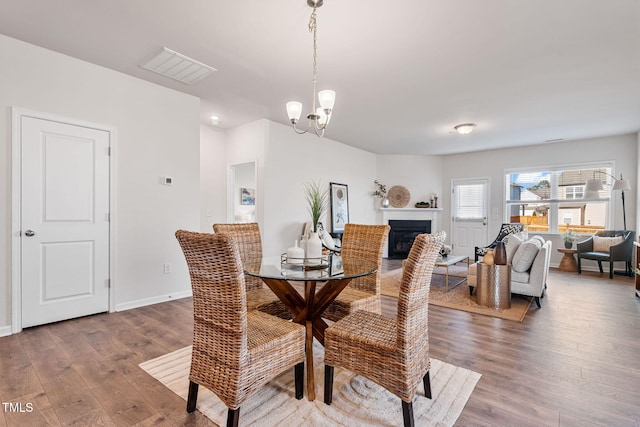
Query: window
553	200
469	199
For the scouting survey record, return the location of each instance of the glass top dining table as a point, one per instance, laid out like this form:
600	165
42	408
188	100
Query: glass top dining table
322	284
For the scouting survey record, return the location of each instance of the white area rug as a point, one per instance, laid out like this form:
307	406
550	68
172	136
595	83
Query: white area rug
356	400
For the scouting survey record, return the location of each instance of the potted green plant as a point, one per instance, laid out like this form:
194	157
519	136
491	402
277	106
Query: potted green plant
569	237
317	197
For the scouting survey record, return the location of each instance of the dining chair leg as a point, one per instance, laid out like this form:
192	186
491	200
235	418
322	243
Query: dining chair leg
407	414
233	415
299	378
328	384
426	380
193	397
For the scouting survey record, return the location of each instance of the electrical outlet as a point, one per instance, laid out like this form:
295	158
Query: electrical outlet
167	268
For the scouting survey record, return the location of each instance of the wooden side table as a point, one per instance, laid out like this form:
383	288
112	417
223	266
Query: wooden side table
494	286
568	261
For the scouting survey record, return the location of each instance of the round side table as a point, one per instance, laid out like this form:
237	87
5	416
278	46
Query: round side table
568	261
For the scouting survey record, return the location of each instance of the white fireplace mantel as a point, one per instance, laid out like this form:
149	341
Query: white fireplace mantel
432	214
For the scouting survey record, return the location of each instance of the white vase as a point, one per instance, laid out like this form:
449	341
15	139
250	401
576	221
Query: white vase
384	203
314	249
295	254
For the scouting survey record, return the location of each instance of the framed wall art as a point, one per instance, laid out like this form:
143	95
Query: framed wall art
339	200
248	196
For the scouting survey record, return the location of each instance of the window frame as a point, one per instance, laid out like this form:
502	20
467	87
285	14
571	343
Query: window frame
554	215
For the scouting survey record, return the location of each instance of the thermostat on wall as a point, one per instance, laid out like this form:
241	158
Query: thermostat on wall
168	180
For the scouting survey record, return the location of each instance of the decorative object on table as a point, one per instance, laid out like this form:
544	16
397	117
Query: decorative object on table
295	254
488	257
248	196
335	264
318	117
399	196
569	237
317	198
500	254
593	186
445	251
381	192
422	205
304	263
339	200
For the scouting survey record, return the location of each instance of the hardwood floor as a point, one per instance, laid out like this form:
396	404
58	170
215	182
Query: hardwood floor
575	362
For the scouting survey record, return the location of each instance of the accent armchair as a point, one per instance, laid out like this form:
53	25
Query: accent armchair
505	230
599	248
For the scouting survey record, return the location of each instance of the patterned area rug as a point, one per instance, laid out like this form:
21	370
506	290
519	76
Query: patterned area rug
457	298
356	400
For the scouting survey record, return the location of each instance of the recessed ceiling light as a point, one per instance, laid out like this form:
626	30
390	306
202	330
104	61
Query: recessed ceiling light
177	66
465	128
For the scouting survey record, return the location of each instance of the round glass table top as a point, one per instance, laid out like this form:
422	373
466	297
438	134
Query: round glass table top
338	268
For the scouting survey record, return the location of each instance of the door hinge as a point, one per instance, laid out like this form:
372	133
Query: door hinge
109	283
108	151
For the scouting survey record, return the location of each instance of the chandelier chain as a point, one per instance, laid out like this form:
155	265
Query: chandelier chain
313	26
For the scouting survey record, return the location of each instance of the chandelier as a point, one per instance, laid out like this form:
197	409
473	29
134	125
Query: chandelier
320	116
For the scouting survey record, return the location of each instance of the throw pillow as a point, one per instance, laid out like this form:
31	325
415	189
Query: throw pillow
603	244
511	243
525	255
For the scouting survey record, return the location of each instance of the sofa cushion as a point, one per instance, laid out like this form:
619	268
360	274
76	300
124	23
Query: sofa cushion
603	244
512	242
520	277
524	256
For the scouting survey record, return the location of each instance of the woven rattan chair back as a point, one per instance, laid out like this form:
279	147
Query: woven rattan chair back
413	300
219	302
365	242
249	244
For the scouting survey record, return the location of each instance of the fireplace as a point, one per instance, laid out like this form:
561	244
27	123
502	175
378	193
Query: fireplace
402	234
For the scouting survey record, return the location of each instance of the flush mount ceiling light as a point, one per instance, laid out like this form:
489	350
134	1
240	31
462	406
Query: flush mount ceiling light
465	128
177	66
318	117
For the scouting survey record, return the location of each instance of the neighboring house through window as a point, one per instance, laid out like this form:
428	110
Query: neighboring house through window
552	200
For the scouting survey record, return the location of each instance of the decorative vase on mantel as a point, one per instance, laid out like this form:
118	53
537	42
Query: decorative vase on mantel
384	203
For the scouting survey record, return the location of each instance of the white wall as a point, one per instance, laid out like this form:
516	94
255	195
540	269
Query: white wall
623	150
157	135
213	177
291	161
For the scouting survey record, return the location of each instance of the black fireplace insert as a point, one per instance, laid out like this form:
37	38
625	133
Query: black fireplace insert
402	234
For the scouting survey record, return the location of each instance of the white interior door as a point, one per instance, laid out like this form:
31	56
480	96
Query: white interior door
470	201
64	221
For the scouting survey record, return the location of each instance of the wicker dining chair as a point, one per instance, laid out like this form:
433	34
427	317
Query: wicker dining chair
363	242
259	297
235	351
391	353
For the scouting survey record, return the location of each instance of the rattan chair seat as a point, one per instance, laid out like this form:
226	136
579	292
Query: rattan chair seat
351	300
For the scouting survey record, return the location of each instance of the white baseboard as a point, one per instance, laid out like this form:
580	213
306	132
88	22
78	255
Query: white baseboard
153	300
5	330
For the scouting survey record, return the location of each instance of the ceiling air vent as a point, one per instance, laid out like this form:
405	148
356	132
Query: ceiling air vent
177	66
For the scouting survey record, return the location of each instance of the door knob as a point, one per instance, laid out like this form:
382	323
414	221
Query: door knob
29	233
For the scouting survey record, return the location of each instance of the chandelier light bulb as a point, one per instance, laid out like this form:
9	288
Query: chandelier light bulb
294	110
327	98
